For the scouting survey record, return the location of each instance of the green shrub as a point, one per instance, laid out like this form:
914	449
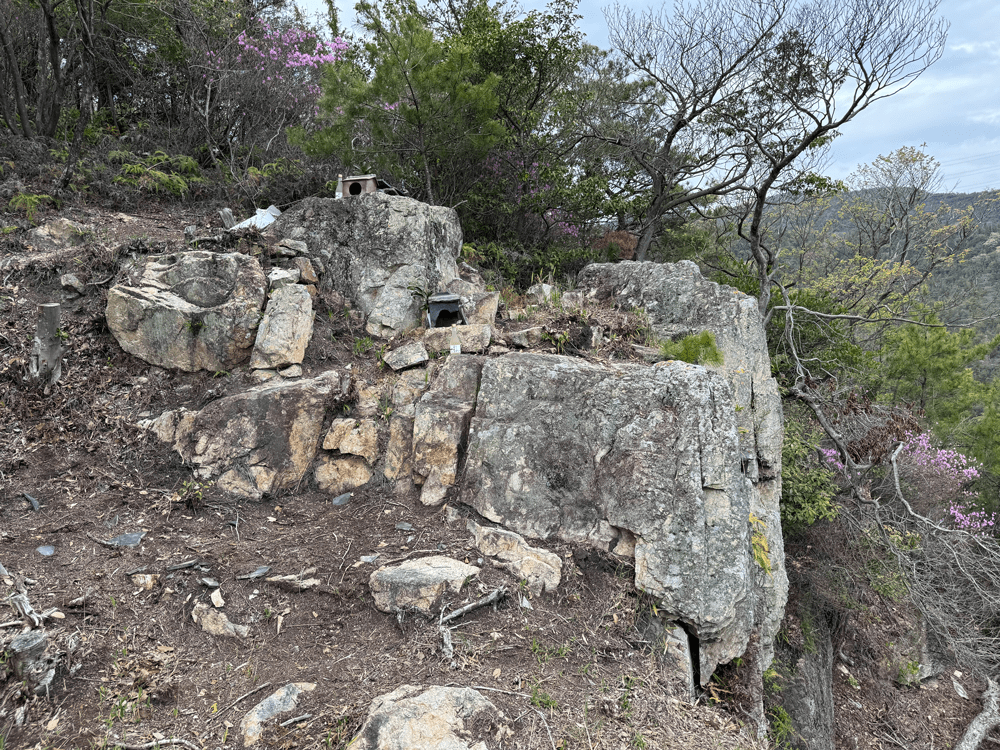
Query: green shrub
158	173
698	349
807	486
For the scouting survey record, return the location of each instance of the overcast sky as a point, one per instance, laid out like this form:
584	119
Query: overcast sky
954	107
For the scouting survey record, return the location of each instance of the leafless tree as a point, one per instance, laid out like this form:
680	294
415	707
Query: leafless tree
736	96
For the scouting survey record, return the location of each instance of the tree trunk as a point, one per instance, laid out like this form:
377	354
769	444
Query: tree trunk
15	74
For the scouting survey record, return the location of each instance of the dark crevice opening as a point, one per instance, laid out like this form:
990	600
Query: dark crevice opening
695	649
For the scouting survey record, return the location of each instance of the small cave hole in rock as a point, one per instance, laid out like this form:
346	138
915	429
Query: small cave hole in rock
693	647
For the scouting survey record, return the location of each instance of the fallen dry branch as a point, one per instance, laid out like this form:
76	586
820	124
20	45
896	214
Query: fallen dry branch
987	719
496	595
157	743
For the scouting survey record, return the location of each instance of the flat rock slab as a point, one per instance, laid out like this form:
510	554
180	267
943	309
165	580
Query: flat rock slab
285	330
441	424
408	355
190	311
278	702
472	338
419	585
257	441
560	448
414	717
540	568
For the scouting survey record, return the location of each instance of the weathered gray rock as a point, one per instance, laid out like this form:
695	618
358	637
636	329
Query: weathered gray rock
285	330
562	448
472	338
806	671
58	234
358	437
441	424
279	277
399	452
680	301
408	355
306	269
419	585
258	441
540	294
479	306
428	718
338	475
405	393
376	246
214	622
280	701
540	568
528	338
71	283
191	311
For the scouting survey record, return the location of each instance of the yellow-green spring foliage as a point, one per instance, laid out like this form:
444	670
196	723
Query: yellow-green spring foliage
698	349
758	542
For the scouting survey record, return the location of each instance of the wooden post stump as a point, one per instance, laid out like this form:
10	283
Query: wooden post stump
46	353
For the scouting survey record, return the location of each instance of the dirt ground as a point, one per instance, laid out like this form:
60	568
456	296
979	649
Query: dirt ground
569	671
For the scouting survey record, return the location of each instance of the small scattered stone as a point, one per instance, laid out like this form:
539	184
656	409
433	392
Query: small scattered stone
280	701
369	558
528	338
217	599
210	582
262	571
962	693
342	499
404	526
294	371
145	581
130	539
262	376
216	623
46	550
71	283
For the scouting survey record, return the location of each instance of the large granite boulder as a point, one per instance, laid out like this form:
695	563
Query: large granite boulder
680	301
377	250
616	456
258	441
191	311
